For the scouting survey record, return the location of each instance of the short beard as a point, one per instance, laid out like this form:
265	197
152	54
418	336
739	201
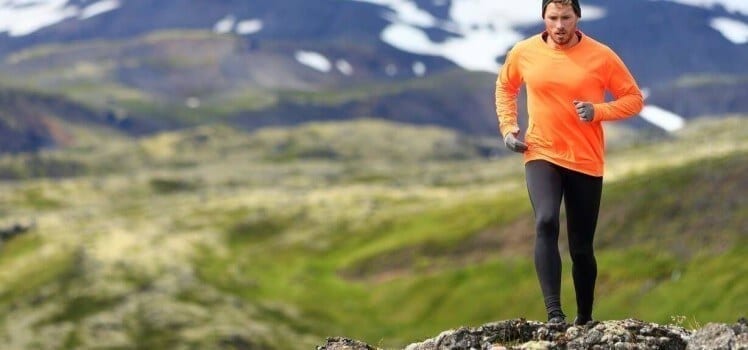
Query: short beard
566	41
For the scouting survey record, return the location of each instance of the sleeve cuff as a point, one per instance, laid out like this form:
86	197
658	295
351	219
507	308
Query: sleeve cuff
600	112
512	129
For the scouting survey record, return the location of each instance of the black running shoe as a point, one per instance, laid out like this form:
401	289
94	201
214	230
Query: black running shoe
557	318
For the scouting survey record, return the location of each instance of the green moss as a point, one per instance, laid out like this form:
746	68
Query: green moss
35	275
257	227
434	230
687	209
72	341
80	307
37	197
164	185
18	247
147	334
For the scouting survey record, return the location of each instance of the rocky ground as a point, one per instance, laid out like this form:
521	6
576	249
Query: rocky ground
619	334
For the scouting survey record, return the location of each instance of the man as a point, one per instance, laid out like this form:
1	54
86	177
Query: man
566	74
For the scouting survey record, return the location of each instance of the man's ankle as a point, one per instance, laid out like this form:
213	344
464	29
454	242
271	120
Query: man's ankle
581	320
556	316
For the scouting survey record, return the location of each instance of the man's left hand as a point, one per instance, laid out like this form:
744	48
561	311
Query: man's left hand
585	110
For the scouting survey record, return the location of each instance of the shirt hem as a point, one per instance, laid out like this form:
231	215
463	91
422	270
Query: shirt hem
566	164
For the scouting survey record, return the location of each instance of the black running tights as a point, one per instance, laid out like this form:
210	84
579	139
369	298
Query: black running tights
547	185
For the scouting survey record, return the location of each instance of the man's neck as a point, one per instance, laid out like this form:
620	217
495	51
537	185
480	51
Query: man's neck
552	44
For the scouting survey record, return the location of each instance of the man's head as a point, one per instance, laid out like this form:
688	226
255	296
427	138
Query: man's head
561	18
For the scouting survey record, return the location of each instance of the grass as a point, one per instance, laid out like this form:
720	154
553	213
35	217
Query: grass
26	280
196	239
708	215
420	303
19	247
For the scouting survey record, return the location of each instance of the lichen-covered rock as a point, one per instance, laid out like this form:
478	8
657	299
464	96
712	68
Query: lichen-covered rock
538	345
628	334
714	336
339	343
482	338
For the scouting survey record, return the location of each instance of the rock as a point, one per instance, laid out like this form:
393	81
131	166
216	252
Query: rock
572	332
482	338
339	343
520	334
462	338
538	345
622	346
593	337
741	342
713	336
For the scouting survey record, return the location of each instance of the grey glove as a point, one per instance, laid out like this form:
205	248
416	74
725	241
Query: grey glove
585	110
514	144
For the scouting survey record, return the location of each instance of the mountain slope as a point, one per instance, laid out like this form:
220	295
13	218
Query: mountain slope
31	121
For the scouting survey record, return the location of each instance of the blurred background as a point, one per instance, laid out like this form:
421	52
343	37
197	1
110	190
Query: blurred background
262	174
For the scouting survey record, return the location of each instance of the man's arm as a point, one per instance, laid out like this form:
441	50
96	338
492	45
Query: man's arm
507	88
628	98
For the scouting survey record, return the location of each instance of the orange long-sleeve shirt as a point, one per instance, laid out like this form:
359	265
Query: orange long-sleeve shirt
554	78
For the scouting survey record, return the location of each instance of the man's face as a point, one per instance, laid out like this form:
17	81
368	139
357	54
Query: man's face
560	23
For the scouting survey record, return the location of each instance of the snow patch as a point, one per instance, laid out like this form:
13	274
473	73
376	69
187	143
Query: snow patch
664	119
192	102
344	67
225	25
419	69
476	51
734	30
98	8
249	26
23	17
313	60
229	23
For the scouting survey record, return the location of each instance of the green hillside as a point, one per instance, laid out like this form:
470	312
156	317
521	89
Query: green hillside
212	238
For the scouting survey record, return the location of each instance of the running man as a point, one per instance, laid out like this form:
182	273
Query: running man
566	74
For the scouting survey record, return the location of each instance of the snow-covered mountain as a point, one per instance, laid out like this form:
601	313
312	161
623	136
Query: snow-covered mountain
478	31
23	17
337	44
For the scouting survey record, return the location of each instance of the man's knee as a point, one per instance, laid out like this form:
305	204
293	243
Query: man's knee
546	226
582	255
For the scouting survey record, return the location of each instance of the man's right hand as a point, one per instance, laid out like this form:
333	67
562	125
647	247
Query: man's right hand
514	144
